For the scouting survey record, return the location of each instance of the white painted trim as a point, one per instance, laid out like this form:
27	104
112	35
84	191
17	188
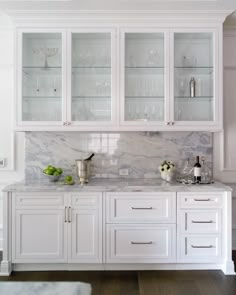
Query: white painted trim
123	266
46	16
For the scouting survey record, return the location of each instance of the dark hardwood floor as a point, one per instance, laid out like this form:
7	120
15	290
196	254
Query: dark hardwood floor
141	282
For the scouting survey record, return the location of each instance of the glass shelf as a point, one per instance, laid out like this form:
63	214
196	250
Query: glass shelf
194	100
194	67
90	97
91	67
144	67
42	97
161	98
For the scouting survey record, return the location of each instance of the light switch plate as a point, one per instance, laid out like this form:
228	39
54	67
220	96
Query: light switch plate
124	172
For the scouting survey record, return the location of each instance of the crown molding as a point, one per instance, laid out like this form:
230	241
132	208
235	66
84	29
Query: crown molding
39	17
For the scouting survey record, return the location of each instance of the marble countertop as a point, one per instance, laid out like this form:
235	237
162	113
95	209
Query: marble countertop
116	185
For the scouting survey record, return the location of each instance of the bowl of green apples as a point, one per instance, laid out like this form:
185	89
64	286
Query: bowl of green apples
52	173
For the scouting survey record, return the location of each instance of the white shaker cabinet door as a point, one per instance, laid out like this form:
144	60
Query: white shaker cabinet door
39	236
84	236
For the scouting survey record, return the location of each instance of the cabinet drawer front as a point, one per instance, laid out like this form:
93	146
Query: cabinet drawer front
201	248
143	244
81	200
200	200
24	200
141	208
201	221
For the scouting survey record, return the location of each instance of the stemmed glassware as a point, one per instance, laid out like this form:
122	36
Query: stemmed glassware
45	52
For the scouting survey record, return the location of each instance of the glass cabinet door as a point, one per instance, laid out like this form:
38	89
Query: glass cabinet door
41	77
144	81
194	97
91	77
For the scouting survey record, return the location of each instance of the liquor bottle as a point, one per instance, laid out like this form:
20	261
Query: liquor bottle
197	171
192	87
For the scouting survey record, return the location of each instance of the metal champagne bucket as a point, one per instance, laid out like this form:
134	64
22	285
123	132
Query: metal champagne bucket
83	168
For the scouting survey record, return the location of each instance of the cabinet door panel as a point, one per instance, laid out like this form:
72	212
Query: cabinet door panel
39	236
92	87
144	78
85	237
40	76
194	73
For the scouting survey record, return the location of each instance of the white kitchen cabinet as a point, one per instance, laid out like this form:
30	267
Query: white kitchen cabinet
195	57
116	78
144	77
41	85
200	235
39	231
65	78
85	228
92	230
139	243
133	207
40	236
53	228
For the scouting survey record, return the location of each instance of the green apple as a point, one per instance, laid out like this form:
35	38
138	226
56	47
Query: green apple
68	178
59	170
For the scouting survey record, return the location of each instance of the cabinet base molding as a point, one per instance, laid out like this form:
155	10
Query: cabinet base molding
6	268
227	267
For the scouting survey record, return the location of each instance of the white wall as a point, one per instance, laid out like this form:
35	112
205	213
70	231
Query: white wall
11	144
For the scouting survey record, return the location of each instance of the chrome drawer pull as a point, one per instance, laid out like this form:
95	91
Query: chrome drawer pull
207	221
142	208
65	214
142	243
202	200
205	247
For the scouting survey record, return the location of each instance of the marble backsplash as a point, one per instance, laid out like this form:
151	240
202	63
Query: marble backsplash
139	152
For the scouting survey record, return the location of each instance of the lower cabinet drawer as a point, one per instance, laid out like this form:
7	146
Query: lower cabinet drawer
141	244
141	208
200	248
201	221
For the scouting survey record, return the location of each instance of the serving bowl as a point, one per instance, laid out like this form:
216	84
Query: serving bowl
52	178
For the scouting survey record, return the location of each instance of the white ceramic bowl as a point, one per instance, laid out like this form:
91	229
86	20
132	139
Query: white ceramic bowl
52	178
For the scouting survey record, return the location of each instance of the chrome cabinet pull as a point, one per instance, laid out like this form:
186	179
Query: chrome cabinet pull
65	214
204	200
204	247
141	243
69	215
207	221
142	208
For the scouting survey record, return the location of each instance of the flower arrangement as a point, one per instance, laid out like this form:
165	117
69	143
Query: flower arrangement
167	170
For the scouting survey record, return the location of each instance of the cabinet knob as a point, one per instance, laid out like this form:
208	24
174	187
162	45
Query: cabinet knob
64	123
68	123
167	123
172	123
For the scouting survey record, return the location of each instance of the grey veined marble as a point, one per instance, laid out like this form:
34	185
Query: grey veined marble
139	152
45	288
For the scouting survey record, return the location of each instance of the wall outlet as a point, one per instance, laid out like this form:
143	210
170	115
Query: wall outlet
2	162
124	172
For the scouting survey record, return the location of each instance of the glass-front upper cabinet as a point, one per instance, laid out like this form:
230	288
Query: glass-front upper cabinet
40	72
143	78
194	77
92	89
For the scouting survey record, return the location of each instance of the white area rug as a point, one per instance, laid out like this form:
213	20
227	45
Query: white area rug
44	288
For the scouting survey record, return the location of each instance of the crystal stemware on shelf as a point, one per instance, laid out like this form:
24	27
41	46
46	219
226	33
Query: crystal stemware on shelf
46	53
